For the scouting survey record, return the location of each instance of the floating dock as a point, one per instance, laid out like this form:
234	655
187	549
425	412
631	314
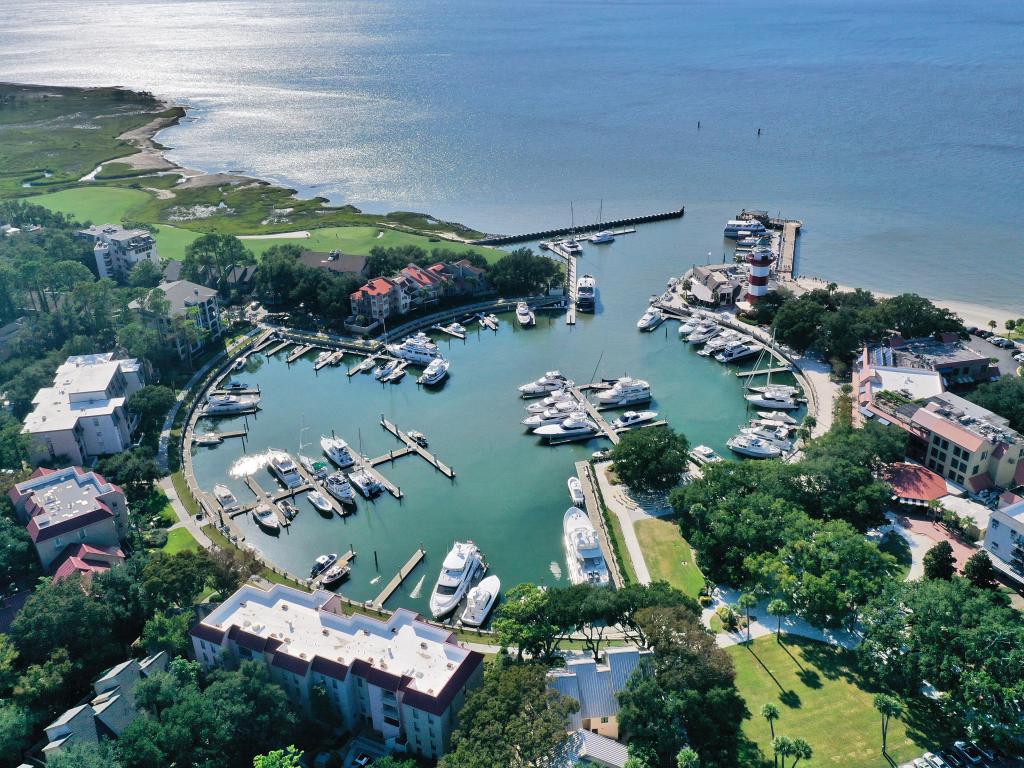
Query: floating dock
297	353
447	329
596	227
414	447
598	419
364	365
342	561
570	290
402	575
269	337
487	323
278	347
764	372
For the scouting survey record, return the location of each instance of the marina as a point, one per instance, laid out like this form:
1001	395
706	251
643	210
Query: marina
298	352
398	578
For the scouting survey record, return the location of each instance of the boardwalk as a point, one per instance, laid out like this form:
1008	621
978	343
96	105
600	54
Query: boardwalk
787	248
266	339
627	222
399	577
570	290
391	456
764	371
296	354
593	510
278	347
596	417
415	447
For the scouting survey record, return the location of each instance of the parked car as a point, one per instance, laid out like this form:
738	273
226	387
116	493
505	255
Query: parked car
969	751
972	329
983	334
935	760
953	760
921	763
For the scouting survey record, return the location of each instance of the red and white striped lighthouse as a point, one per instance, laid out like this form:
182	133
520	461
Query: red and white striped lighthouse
760	262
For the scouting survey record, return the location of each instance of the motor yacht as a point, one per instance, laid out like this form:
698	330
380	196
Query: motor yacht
575	425
337	450
753	447
284	468
583	552
365	483
736	229
395	376
335	575
525	315
625	391
494	319
460	567
239	364
558	396
340	488
576	492
737	350
702	454
549	382
479	601
457	328
781	418
435	372
236	385
586	293
689	326
553	415
288	509
207	439
323	358
775	436
632	418
776	399
604	236
417	349
719	342
322	563
384	371
650	319
573	247
225	498
265	518
747	243
229	405
316	468
418	437
703	333
317	500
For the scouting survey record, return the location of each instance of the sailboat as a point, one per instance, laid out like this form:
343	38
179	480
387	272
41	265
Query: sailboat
777	397
604	236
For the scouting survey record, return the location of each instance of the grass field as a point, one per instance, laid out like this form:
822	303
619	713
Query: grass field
180	540
824	699
171	241
100	205
359	241
668	555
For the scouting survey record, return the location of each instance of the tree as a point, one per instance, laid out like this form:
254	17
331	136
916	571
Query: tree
801	751
650	459
174	581
747	601
770	712
84	755
993	325
687	758
18	559
389	761
979	570
512	720
521	273
778	608
15	733
145	274
42	686
888	707
1005	397
523	622
13	443
167	632
1010	324
151	404
939	562
134	470
214	255
8	665
782	746
290	757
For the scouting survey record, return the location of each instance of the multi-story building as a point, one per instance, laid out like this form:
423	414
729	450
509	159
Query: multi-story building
424	285
110	711
379	299
69	507
716	284
947	355
596	687
1004	540
118	250
335	261
190	302
402	678
83	415
463	278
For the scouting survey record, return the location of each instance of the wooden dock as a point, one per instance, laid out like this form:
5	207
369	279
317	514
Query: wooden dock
269	337
390	456
615	223
402	575
597	418
235	392
394	490
415	447
764	372
487	323
222	435
787	248
278	347
342	561
297	353
570	289
363	365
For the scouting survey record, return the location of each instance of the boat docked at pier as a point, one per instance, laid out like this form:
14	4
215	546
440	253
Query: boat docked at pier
323	358
703	333
340	488
461	565
318	500
525	315
317	469
365	483
556	397
384	372
576	492
549	382
264	517
737	350
717	343
230	405
556	414
284	468
583	555
572	247
753	447
604	236
480	601
703	454
334	575
288	509
743	228
337	450
227	500
417	349
775	398
778	436
576	425
207	439
625	391
435	372
322	563
633	418
650	319
586	293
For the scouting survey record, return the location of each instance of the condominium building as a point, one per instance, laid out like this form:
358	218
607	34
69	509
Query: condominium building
83	415
402	678
66	508
379	299
117	250
596	687
1004	540
188	301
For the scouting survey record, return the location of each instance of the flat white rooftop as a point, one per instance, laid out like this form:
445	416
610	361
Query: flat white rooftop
79	390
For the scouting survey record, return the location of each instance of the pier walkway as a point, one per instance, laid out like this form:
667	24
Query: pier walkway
299	352
266	339
402	575
787	247
413	447
596	227
597	418
278	347
593	510
570	290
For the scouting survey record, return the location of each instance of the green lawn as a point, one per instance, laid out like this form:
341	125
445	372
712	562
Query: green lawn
180	540
171	241
898	547
100	205
359	240
824	699
668	555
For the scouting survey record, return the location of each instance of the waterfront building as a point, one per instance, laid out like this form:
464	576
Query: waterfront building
335	261
947	355
914	485
67	508
760	265
1004	540
423	286
464	279
596	687
379	299
117	250
715	285
188	303
83	415
400	677
109	712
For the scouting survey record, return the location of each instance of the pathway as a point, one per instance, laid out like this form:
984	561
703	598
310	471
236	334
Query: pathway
185	520
618	505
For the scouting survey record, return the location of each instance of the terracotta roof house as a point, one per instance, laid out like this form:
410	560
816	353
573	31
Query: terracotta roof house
86	560
915	485
380	298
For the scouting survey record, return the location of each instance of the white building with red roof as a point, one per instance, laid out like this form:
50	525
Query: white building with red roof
379	299
66	508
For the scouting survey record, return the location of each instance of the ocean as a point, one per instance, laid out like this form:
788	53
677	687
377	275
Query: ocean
894	130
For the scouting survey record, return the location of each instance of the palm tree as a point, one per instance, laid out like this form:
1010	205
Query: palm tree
888	706
778	608
746	602
802	750
771	713
782	746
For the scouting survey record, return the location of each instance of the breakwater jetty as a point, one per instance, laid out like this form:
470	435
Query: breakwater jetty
596	227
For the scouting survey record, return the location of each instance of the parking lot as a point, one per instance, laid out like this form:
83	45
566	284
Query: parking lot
1007	365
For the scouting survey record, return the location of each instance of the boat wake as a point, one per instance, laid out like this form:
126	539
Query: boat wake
249	465
556	570
418	589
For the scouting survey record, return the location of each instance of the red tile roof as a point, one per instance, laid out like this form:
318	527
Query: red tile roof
379	286
979	482
949	430
912	481
87	560
102	512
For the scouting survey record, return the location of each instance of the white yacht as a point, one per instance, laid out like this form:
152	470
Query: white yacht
553	415
776	399
384	371
650	319
703	332
576	425
317	500
265	518
689	326
549	382
632	418
435	372
417	349
573	247
322	563
576	492
457	328
777	437
288	509
340	488
738	350
702	454
719	342
460	567
337	450
781	418
625	391
586	293
235	386
754	447
225	498
604	236
525	315
747	243
556	397
284	468
316	468
229	405
479	601
239	364
742	228
365	483
323	358
583	549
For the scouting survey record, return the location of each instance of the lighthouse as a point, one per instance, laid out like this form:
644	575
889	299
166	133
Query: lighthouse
760	262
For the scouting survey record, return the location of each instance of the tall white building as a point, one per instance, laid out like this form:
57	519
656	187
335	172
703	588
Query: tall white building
1004	540
83	415
402	678
118	250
